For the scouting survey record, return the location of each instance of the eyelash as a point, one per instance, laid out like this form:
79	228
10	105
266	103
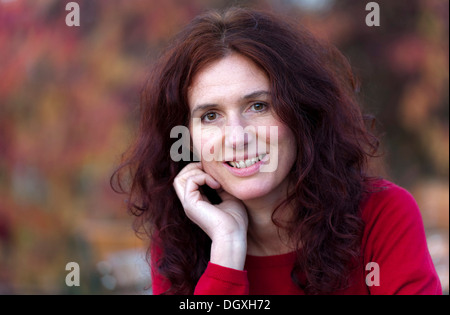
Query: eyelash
203	118
260	103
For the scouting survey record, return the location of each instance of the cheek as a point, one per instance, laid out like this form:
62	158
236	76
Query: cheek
280	136
196	146
286	147
288	139
207	145
289	142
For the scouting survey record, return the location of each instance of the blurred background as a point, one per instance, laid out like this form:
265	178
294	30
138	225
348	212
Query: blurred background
68	100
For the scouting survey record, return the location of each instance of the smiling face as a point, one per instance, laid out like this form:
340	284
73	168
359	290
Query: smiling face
234	129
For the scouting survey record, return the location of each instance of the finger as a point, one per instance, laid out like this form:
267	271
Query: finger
190	167
192	170
194	182
179	182
191	190
192	193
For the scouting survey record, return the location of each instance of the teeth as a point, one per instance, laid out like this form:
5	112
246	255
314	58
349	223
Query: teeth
246	163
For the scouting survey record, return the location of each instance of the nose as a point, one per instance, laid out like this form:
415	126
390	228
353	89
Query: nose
239	133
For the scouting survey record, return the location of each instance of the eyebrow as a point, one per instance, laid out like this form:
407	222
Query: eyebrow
249	96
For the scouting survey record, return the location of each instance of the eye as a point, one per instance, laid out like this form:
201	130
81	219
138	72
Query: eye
210	116
258	107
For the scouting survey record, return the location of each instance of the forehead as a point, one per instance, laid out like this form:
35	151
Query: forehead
229	77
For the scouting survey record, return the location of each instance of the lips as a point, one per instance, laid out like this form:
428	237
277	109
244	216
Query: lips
234	167
246	163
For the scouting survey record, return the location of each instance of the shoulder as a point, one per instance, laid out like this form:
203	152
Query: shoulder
383	190
385	196
394	238
391	210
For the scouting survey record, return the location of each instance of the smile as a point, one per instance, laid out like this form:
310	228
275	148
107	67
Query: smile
247	167
246	163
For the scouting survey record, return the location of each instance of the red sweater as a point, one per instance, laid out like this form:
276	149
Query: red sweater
394	238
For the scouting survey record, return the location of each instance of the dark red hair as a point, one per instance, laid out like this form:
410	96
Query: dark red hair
313	93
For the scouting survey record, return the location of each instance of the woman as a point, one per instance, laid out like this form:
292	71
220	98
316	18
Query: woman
274	196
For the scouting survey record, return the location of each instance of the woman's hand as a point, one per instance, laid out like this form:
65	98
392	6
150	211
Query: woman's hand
225	223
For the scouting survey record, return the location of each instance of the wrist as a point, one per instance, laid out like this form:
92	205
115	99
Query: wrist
229	253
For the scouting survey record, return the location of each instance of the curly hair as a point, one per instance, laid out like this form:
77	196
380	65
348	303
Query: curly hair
314	93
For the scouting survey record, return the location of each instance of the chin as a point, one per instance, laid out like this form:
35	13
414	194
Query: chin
248	190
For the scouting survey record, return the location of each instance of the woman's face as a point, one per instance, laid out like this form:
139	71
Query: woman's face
235	131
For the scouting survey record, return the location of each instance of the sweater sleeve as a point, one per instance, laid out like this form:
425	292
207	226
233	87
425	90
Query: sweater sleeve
216	280
395	240
219	280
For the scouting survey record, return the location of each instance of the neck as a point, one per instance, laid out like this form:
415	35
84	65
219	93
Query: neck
264	238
